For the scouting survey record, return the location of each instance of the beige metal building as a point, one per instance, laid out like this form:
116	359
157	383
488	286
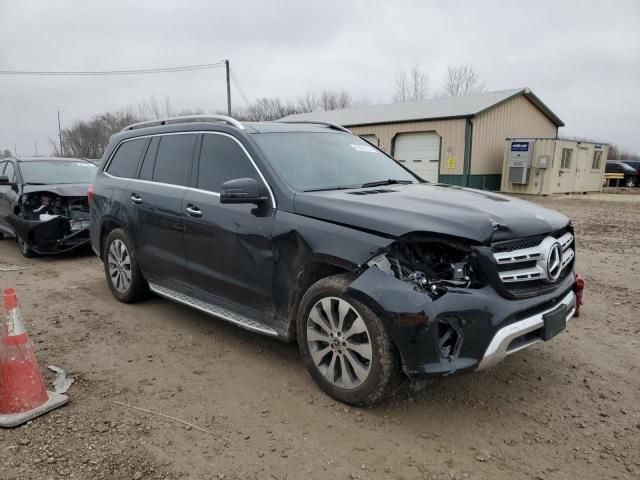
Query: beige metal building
456	140
543	166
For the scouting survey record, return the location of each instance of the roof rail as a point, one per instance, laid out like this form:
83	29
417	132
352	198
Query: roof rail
314	122
185	119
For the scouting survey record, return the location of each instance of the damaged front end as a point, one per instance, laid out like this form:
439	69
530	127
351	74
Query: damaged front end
50	223
437	304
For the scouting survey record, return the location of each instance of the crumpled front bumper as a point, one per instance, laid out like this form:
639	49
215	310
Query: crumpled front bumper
53	236
488	326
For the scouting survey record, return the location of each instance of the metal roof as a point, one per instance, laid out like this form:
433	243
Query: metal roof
430	109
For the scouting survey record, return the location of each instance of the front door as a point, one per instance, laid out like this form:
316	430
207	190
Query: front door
8	195
229	248
581	170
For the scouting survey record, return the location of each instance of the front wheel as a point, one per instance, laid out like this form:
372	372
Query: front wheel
25	249
630	182
345	345
121	268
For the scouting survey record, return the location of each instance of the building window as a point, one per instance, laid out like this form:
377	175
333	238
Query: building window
565	161
597	160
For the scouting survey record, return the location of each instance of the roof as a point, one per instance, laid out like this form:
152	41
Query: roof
50	159
430	109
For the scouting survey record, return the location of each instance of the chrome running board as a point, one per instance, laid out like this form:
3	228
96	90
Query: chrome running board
214	310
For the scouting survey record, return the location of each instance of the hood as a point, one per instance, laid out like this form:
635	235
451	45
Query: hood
61	189
443	209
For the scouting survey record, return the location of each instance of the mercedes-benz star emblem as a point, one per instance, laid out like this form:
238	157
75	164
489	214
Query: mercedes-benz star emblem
554	262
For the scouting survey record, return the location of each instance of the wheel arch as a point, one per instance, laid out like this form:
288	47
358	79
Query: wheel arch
108	224
314	270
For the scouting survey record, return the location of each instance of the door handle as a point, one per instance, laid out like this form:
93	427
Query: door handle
135	198
194	211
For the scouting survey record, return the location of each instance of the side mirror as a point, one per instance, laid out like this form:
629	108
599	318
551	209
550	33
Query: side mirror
4	180
242	190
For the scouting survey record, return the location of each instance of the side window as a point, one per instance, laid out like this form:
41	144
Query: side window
597	159
125	161
149	161
173	161
565	161
222	159
10	171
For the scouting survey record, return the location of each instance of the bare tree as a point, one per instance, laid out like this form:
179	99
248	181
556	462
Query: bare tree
89	138
273	108
412	85
151	109
5	153
266	109
462	80
618	153
307	103
334	100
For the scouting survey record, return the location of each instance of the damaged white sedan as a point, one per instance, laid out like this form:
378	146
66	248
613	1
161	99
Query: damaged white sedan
44	203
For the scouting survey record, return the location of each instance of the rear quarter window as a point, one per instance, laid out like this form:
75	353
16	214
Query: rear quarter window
125	161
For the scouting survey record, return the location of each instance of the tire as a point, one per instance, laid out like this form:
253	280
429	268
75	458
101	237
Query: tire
121	268
25	250
366	381
630	182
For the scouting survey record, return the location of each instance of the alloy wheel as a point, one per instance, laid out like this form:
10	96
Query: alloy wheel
119	265
339	342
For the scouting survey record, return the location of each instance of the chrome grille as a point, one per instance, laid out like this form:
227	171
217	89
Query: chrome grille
532	263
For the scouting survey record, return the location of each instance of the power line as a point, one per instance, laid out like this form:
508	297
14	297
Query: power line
86	73
239	88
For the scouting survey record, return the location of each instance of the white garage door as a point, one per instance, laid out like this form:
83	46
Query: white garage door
419	152
371	138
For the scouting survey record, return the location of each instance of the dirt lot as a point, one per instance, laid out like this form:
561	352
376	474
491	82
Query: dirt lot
566	409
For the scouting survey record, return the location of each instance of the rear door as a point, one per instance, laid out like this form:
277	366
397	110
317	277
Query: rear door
229	247
154	203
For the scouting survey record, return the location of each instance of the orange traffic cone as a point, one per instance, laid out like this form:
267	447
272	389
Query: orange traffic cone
23	395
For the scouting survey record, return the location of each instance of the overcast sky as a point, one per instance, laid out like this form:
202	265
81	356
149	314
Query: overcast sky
582	58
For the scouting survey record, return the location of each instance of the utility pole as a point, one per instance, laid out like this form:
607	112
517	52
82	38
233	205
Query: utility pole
226	64
35	144
60	134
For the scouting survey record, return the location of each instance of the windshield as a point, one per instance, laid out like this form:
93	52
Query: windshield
319	161
50	172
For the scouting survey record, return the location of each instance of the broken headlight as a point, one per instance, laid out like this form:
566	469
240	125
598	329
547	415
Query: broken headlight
429	266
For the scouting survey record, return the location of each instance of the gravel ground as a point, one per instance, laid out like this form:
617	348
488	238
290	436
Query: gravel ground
565	409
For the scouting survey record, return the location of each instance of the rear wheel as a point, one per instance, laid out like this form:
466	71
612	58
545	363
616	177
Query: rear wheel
344	345
121	268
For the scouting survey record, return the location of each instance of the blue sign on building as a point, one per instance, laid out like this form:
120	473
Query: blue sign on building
519	146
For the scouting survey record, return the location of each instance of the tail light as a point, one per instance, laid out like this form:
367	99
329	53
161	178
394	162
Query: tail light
90	193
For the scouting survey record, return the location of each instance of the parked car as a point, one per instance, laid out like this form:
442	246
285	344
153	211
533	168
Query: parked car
304	231
631	175
632	163
43	203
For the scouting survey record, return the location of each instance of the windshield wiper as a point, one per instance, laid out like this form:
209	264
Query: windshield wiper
324	189
390	181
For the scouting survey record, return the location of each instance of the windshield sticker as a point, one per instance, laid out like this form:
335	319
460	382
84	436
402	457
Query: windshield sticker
363	148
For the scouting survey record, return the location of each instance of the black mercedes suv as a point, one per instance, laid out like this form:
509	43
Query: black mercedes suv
306	232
